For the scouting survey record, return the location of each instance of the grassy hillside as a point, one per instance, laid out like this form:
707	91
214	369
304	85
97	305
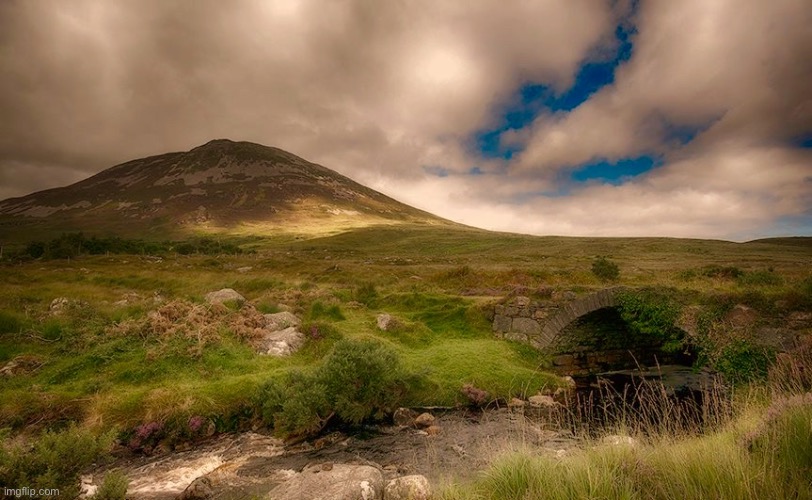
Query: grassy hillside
136	346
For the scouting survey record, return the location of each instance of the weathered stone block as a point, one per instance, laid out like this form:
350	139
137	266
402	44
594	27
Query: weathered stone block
522	301
501	323
539	314
564	360
526	326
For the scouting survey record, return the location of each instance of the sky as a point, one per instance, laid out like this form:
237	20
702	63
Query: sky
688	118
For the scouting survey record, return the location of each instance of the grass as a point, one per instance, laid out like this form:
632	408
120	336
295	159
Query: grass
719	465
757	447
94	370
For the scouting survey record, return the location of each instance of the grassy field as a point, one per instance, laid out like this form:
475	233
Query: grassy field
102	365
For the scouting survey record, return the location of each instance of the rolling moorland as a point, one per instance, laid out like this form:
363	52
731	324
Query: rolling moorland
108	344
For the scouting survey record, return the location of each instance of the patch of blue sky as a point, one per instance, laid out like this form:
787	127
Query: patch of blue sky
615	173
803	141
531	99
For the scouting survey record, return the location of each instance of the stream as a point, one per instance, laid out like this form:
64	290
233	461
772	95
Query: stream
463	443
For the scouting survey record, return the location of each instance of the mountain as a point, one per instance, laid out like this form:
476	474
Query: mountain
221	185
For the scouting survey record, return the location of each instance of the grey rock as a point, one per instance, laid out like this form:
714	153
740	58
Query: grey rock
526	326
282	342
501	324
341	482
522	301
414	487
224	295
386	322
58	305
281	320
200	489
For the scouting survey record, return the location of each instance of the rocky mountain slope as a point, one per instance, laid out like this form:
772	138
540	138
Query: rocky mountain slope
220	185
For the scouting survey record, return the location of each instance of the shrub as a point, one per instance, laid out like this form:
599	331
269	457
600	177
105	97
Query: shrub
366	294
605	269
760	278
113	487
741	361
9	323
723	272
297	405
53	461
363	378
318	310
360	380
652	314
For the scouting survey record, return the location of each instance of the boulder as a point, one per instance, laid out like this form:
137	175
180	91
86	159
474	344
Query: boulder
424	420
200	489
281	320
282	342
224	295
415	487
522	301
59	305
386	322
340	482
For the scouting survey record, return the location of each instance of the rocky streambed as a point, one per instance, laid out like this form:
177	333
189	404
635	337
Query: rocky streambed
431	448
457	444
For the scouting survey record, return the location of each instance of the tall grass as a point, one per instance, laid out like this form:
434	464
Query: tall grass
676	452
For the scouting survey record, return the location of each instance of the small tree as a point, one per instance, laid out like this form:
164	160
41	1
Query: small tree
605	269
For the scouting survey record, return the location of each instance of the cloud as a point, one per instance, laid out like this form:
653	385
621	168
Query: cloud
389	92
352	84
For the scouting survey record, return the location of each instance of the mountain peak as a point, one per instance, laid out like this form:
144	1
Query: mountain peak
217	185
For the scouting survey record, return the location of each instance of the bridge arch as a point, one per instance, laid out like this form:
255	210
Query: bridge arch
539	323
571	311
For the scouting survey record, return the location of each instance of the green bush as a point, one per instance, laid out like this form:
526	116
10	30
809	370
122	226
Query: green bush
320	311
366	294
723	272
363	378
53	461
296	405
760	278
113	487
652	314
605	269
9	323
741	361
360	380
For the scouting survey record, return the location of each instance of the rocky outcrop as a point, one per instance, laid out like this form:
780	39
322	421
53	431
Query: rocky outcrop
414	487
282	342
386	322
333	482
224	295
281	320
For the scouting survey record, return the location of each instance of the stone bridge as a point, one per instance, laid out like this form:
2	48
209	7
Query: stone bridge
539	322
